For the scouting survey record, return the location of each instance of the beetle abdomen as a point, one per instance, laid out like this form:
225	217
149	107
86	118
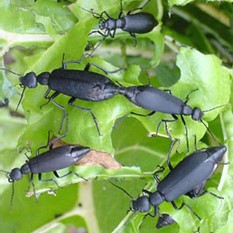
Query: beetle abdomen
139	23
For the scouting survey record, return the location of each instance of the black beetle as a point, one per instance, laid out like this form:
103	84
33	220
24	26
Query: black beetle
157	100
49	161
186	178
187	175
164	220
78	84
132	23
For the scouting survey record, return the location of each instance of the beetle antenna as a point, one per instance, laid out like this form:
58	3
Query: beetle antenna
121	6
20	100
7	175
208	110
13	188
219	106
195	142
12	195
96	47
10	71
95	14
208	130
122	189
190	208
23	88
5	171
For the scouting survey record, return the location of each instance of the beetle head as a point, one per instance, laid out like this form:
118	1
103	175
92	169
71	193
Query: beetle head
29	80
15	174
197	114
102	24
141	204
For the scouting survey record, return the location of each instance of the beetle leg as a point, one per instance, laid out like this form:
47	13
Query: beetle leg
213	194
48	180
70	172
168	90
139	8
64	116
143	115
21	97
120	14
106	14
192	211
121	10
156	210
47	93
176	207
159	170
62	135
169	154
112	35
187	97
86	110
134	38
186	132
148	214
165	121
64	63
47	97
97	31
33	185
102	69
182	205
43	147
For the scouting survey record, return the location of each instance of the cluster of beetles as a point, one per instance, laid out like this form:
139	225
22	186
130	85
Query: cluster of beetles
93	87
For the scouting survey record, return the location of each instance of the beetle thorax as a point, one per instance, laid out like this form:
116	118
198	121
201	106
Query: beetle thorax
43	78
25	169
156	198
120	23
187	110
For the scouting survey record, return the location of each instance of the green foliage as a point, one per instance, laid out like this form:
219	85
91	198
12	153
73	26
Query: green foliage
190	49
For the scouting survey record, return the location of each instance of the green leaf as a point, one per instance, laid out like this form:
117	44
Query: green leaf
178	2
36	41
184	2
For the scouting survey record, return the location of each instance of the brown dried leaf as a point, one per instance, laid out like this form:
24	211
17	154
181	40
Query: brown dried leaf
94	158
99	158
